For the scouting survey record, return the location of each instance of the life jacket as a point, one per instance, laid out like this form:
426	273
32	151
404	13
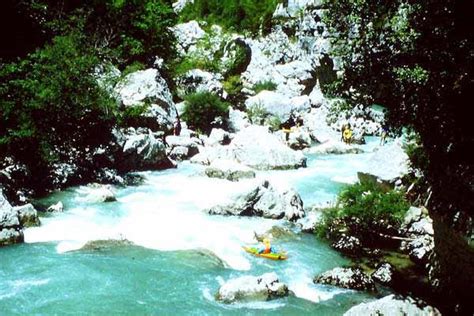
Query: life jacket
268	248
347	133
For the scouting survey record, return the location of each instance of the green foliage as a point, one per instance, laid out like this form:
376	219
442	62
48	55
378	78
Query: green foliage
51	102
273	122
123	31
233	85
252	16
239	63
202	109
131	116
363	211
415	151
264	85
133	67
195	61
257	114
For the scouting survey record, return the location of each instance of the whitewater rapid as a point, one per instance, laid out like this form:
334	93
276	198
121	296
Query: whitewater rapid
166	213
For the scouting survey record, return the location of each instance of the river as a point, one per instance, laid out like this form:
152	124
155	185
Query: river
179	256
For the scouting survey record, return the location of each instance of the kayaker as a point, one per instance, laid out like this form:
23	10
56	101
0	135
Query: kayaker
266	247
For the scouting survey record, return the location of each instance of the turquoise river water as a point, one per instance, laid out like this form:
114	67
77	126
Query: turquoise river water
179	256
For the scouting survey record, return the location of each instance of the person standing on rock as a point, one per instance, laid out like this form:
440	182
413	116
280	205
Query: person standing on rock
347	134
177	127
383	135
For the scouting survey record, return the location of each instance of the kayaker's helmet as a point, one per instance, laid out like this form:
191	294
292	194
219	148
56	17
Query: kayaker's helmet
266	241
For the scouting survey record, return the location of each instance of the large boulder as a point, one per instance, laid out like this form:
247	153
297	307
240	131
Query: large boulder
140	150
349	278
250	288
218	137
10	227
272	103
147	87
182	147
389	162
197	80
257	148
230	170
238	120
393	305
264	200
188	34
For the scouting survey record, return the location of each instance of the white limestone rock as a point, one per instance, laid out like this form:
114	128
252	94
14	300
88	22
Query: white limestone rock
264	200
393	305
250	288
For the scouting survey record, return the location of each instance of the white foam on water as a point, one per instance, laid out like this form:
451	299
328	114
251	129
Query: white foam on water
165	214
16	287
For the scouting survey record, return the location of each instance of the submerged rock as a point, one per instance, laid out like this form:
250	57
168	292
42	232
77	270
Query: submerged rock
99	245
309	222
266	201
98	193
349	278
249	288
335	147
393	305
57	208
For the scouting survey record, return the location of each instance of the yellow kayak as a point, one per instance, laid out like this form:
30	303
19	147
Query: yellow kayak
272	256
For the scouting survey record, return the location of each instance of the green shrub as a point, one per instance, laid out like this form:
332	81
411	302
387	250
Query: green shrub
233	85
133	67
257	114
273	122
364	211
265	85
191	62
240	61
201	110
236	15
51	102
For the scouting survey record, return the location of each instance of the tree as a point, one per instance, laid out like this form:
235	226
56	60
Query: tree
417	58
123	31
51	103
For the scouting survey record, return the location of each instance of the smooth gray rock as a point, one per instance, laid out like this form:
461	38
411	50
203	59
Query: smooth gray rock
230	170
266	201
56	208
249	288
349	278
393	305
